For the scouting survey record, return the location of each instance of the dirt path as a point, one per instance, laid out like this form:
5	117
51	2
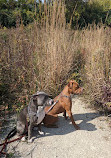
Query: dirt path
92	141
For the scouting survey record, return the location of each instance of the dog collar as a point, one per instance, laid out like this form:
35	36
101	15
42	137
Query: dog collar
66	96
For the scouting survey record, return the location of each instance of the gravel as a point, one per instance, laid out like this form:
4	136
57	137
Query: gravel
93	140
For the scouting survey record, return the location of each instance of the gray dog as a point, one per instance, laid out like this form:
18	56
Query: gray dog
34	112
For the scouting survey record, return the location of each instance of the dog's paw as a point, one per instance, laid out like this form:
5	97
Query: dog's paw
77	127
30	140
23	139
41	132
66	117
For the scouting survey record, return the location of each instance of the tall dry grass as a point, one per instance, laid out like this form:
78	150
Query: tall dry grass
53	49
43	55
38	57
96	44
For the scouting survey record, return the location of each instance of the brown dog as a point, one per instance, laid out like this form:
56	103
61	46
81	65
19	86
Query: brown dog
64	105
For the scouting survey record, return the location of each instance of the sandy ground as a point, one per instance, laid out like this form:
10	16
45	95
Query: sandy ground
93	140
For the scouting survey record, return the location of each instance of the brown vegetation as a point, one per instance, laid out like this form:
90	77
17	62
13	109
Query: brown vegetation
96	42
43	56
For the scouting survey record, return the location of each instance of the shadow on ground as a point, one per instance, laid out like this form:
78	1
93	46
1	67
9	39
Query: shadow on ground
66	127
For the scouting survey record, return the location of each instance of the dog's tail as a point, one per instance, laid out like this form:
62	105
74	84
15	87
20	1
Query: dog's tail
12	133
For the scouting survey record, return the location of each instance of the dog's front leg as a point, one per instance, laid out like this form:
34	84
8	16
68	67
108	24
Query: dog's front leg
72	119
64	114
30	133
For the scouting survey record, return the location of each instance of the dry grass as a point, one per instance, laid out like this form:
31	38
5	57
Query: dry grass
38	57
43	56
96	43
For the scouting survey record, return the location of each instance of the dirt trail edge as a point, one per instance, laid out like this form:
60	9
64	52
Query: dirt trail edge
92	141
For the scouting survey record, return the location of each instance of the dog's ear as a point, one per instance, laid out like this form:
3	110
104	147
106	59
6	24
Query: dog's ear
70	85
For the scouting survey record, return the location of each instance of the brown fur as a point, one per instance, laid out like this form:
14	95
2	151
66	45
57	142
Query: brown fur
64	105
